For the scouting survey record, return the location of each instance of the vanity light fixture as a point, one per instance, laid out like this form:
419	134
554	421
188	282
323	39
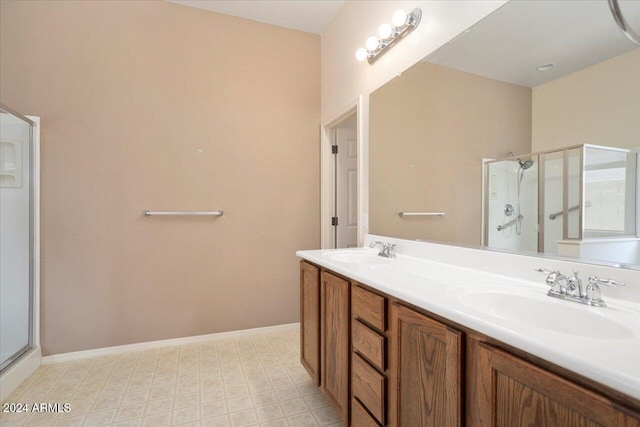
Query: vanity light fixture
403	25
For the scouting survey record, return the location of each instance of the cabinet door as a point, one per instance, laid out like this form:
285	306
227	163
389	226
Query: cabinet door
310	319
517	393
425	365
335	342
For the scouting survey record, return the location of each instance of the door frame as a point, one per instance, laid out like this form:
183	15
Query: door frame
327	178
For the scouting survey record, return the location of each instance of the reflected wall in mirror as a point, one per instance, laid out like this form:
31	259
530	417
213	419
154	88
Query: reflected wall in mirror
430	129
533	77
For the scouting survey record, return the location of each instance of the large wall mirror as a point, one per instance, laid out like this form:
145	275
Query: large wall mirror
520	134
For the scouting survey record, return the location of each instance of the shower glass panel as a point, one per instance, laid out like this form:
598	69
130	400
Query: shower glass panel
553	195
610	193
512	205
16	236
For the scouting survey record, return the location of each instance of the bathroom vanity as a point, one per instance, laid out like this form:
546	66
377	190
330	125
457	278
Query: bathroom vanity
407	341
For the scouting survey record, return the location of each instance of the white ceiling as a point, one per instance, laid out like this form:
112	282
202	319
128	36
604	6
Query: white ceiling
510	43
311	16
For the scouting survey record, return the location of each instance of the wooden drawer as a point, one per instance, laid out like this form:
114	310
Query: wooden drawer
369	307
368	387
360	417
368	344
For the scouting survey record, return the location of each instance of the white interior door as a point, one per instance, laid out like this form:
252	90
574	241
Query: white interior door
347	187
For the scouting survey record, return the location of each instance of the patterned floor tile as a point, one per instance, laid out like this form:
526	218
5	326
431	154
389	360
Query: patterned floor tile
251	380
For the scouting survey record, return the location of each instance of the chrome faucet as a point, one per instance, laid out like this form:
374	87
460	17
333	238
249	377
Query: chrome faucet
575	285
387	250
557	281
593	290
570	288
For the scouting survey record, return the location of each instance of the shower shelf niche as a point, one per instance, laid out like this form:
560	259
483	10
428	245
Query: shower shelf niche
10	164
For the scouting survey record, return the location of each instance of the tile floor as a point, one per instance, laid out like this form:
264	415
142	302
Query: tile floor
251	380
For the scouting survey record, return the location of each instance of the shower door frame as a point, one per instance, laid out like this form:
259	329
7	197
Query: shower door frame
34	239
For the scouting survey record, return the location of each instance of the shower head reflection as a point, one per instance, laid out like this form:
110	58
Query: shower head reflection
526	164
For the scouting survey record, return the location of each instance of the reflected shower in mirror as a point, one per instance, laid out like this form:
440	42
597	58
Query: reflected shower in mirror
480	131
528	211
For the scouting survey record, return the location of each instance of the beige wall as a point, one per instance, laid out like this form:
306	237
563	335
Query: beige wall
597	105
152	105
430	129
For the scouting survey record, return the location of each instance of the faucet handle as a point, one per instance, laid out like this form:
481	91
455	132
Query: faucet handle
593	294
553	280
594	280
390	248
552	276
376	243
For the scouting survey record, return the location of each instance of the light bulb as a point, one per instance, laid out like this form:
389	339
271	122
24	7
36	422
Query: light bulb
399	18
361	54
384	31
372	43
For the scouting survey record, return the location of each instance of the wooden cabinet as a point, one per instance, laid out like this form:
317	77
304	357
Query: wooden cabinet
369	359
370	308
336	342
360	417
310	319
369	388
380	362
512	392
368	344
426	371
325	343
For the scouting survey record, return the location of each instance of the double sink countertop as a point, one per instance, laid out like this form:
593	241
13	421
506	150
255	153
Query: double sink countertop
602	344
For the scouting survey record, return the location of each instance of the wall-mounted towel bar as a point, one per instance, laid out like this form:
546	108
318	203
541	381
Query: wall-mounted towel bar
572	208
401	214
182	213
510	223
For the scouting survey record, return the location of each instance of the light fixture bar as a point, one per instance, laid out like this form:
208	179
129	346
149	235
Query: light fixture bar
399	31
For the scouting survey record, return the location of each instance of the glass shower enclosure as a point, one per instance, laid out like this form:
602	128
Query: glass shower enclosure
579	201
16	235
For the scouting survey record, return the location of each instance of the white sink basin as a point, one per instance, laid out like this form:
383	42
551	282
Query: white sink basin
356	256
536	310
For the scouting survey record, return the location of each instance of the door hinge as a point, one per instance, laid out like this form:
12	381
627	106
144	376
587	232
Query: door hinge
334	149
334	220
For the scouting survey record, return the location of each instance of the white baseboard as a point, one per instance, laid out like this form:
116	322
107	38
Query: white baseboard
19	371
108	351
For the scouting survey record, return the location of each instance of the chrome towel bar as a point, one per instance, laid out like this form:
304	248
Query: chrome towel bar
401	214
147	212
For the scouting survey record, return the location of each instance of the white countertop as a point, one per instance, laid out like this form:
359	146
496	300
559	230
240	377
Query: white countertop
451	291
